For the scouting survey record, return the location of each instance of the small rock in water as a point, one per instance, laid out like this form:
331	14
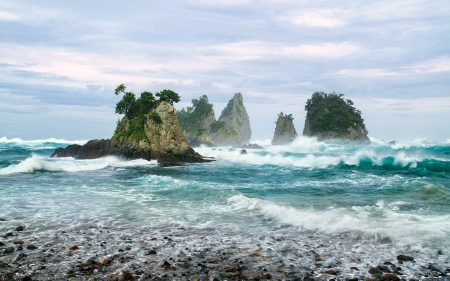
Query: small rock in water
19	257
243	151
330	272
73	248
354	268
20	228
127	277
375	271
151	252
27	278
31	247
19	248
18	242
391	277
383	268
2	244
9	234
105	261
2	219
404	258
8	250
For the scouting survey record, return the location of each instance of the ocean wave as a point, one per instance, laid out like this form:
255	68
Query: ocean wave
312	154
379	222
37	163
19	141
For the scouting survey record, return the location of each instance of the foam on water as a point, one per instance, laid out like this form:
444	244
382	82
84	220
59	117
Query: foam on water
40	142
39	163
375	223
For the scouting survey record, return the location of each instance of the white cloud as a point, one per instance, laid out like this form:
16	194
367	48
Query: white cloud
7	16
320	18
441	64
248	50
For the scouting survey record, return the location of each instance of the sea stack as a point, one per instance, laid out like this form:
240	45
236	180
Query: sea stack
285	131
330	116
199	124
235	116
149	130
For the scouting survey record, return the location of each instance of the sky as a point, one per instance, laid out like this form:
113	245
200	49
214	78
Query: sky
60	61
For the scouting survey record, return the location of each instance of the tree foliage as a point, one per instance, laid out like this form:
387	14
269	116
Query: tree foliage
169	96
332	113
190	118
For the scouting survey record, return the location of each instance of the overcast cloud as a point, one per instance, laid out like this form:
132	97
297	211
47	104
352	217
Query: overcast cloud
61	60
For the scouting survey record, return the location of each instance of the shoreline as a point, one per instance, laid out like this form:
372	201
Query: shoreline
93	252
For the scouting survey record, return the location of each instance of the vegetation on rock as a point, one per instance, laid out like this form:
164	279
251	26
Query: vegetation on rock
235	115
199	124
284	131
332	116
137	112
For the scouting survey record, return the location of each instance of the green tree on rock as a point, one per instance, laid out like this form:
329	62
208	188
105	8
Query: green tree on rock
169	96
124	105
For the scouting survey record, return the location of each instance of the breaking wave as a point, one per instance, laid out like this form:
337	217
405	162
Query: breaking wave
37	163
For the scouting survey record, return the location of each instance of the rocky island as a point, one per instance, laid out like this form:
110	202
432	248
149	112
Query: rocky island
285	131
330	116
149	130
201	128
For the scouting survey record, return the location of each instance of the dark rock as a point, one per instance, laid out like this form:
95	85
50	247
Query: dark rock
404	258
27	278
248	146
351	279
18	242
8	250
391	277
31	247
2	244
383	268
9	234
243	151
375	271
151	252
127	277
2	219
19	248
19	257
330	272
392	142
20	228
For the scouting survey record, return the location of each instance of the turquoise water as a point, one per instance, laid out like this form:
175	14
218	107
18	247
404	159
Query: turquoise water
381	195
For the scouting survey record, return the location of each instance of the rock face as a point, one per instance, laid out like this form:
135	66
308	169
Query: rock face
285	131
235	116
144	137
201	128
330	116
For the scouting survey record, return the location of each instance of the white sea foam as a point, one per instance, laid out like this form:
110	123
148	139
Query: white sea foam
380	221
40	141
308	153
39	163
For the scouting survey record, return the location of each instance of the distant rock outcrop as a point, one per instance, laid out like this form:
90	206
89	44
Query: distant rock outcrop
151	132
201	128
235	115
330	116
285	131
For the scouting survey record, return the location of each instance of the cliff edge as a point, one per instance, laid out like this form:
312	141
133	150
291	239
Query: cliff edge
285	131
330	116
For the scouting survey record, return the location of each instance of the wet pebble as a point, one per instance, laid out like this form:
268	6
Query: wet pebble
391	277
404	258
8	250
72	248
31	247
20	228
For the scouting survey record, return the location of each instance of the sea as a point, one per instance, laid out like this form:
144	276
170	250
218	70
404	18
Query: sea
365	203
